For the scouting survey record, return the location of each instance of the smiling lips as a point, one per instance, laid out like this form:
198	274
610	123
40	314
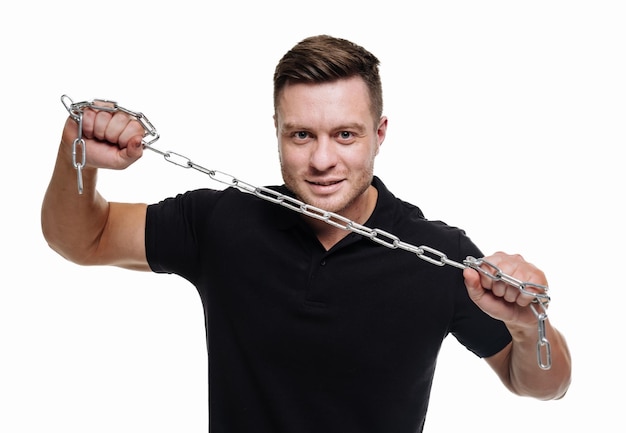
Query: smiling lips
325	186
327	183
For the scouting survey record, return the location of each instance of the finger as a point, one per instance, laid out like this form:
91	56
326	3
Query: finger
473	284
114	129
499	289
89	119
519	269
511	294
134	148
101	122
132	134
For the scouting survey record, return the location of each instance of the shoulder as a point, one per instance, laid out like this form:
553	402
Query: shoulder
201	205
198	200
407	221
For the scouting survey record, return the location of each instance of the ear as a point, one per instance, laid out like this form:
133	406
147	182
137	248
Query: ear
381	131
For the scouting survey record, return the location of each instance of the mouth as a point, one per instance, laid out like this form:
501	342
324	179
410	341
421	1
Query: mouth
324	183
325	187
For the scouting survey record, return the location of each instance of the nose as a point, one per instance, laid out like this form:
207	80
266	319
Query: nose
323	154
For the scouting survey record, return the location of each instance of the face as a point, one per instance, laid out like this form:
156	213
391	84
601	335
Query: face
327	143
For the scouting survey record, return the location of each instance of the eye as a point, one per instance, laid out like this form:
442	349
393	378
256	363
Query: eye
346	137
300	137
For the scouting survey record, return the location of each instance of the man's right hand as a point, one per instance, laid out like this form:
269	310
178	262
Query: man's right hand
112	139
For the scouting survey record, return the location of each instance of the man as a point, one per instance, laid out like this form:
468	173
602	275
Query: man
310	327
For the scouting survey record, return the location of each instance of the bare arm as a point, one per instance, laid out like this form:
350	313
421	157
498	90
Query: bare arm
85	228
516	364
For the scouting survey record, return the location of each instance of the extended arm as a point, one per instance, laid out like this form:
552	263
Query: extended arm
516	364
85	228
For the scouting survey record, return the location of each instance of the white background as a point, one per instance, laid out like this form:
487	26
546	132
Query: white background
506	119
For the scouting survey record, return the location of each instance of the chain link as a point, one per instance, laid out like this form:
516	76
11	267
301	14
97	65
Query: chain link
538	292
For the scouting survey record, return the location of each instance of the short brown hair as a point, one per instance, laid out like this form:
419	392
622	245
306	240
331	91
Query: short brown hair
324	58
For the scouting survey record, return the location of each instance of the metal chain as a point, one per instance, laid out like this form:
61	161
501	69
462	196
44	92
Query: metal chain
539	293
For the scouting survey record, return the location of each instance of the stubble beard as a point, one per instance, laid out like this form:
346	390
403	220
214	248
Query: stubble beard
337	203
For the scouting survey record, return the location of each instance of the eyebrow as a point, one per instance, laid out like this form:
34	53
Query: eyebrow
290	126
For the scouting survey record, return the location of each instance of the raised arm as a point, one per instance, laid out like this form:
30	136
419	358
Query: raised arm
85	228
517	364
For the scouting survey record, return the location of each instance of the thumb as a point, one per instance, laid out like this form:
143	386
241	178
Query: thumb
134	150
475	289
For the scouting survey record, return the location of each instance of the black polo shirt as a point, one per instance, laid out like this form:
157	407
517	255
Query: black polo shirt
306	340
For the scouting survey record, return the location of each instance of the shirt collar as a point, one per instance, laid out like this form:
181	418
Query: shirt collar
382	217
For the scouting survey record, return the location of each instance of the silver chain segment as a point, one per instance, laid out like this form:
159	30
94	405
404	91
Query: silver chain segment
539	293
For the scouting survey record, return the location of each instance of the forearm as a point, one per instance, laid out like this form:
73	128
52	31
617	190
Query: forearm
72	223
525	377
